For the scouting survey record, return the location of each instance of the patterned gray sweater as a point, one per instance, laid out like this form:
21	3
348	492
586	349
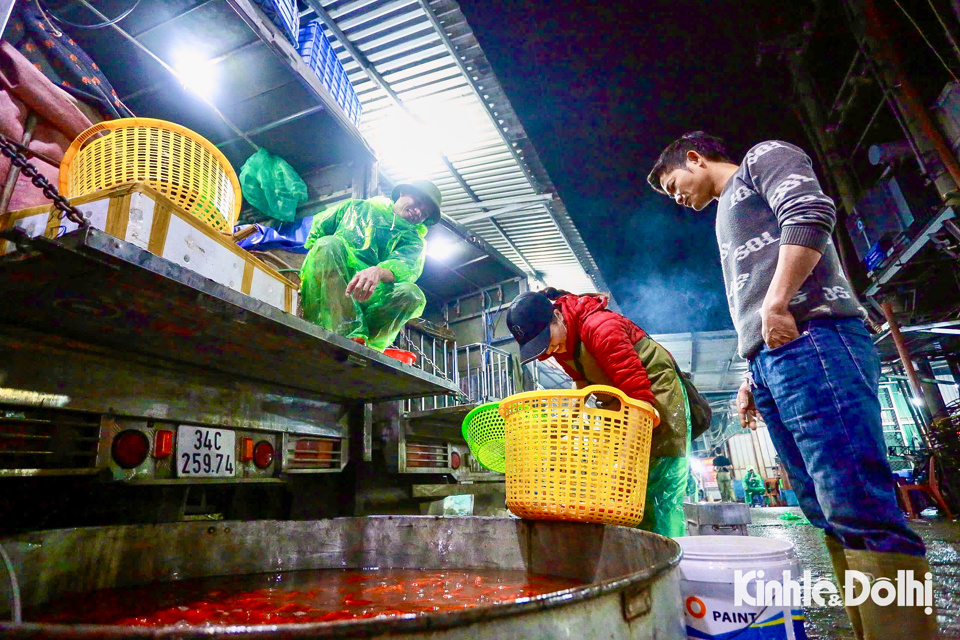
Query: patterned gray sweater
774	198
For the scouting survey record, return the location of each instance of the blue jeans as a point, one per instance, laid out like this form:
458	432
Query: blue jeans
818	396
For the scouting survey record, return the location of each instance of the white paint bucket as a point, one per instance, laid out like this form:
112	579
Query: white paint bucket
708	571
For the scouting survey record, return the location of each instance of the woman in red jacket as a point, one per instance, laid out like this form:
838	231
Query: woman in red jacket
595	345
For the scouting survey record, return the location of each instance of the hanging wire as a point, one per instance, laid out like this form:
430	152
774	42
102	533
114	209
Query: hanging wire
946	29
56	33
925	39
91	27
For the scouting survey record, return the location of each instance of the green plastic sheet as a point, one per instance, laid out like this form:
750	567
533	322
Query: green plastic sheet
272	186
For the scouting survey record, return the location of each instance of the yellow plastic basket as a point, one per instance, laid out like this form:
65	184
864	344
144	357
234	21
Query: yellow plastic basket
180	164
568	461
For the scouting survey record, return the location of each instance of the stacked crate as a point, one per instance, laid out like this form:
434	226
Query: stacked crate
317	52
284	14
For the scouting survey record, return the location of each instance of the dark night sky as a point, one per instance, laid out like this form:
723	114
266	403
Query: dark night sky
601	89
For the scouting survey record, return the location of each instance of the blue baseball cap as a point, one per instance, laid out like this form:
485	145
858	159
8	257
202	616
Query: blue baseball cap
529	320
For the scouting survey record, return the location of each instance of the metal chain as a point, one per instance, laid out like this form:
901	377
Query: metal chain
12	150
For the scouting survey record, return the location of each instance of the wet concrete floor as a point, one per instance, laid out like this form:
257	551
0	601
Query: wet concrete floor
943	548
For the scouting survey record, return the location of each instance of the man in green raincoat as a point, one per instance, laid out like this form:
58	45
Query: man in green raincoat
365	256
752	487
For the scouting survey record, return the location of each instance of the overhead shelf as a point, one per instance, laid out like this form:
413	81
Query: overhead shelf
91	287
258	80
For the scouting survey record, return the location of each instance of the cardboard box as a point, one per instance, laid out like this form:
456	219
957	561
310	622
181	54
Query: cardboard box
140	215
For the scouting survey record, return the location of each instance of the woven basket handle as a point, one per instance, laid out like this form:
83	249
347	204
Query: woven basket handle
602	389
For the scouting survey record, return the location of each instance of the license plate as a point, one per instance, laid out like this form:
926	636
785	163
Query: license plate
206	453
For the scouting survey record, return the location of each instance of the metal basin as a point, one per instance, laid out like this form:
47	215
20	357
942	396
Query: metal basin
632	580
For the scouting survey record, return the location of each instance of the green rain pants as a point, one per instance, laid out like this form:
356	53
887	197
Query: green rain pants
324	278
667	478
666	489
751	494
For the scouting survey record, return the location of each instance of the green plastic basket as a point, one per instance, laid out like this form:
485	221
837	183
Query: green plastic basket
483	431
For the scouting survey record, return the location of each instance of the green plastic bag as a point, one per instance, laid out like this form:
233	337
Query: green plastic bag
272	186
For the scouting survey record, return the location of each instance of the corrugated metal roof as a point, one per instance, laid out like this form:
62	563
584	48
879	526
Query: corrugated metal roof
710	356
433	108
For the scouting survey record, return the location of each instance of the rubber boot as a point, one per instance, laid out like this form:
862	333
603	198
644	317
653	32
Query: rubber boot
839	560
893	622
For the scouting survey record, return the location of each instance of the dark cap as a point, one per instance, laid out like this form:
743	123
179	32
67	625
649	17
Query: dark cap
529	320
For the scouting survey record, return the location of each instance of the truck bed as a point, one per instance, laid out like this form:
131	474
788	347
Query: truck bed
91	287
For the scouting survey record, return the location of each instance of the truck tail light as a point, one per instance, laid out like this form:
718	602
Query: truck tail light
162	443
263	454
454	460
130	448
246	449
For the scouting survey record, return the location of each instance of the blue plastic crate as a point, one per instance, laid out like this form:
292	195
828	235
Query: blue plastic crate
314	47
340	80
316	51
356	109
318	54
284	14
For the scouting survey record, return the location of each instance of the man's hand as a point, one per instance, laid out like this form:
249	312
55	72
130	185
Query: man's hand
778	326
746	408
362	286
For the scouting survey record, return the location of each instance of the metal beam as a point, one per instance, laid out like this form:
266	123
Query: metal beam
931	326
921	240
498	212
287	53
693	355
277	123
531	270
172	19
212	62
484	246
726	369
497	202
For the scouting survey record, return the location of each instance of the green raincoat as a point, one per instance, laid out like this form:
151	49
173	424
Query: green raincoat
752	486
350	237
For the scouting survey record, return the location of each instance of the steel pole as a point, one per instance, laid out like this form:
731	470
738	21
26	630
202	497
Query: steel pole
912	378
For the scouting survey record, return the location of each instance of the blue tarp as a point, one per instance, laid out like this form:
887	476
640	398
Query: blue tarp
288	236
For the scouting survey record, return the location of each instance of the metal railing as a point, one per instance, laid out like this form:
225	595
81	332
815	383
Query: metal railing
488	373
483	373
436	356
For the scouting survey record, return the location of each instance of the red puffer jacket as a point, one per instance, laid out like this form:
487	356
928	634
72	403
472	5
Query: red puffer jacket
609	338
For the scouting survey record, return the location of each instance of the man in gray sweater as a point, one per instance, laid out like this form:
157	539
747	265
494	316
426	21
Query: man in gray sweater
814	371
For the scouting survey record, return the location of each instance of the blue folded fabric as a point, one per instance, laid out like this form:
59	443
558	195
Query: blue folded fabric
288	236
